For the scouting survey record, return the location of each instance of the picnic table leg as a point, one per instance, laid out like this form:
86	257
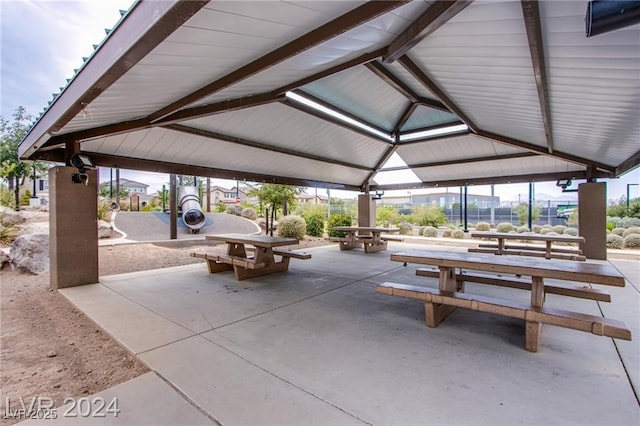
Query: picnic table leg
533	329
547	254
500	245
435	313
351	242
263	255
376	244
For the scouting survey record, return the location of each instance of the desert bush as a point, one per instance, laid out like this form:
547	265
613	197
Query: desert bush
338	219
447	233
632	241
544	231
615	241
559	229
629	231
234	209
8	234
522	229
457	234
25	198
292	226
536	228
483	226
618	231
406	228
505	227
571	231
628	222
430	231
7	197
249	213
610	226
315	225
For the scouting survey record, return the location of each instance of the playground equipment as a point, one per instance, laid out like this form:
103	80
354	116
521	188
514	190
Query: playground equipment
189	203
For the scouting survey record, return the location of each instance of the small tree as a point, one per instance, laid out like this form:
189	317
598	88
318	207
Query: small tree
522	210
276	196
12	168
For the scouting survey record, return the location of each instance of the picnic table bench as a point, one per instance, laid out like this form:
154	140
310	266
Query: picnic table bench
369	237
548	251
262	261
441	302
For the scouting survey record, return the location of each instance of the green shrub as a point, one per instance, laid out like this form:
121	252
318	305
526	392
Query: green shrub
249	213
25	197
628	222
559	229
615	241
618	231
629	231
610	226
505	227
522	229
338	219
235	209
430	231
447	233
483	226
315	225
457	234
428	216
104	210
220	207
544	231
536	228
406	228
292	226
571	231
7	198
632	241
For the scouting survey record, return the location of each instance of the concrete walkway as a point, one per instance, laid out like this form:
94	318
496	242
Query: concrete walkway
318	345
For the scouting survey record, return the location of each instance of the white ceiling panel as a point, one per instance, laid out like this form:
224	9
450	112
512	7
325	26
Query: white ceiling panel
285	127
594	85
481	60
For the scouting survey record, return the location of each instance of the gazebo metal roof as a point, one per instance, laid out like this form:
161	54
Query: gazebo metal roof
232	90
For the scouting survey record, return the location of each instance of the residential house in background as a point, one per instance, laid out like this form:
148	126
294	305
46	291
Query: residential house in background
234	195
131	186
311	199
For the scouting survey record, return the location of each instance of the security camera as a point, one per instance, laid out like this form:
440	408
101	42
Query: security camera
81	162
80	178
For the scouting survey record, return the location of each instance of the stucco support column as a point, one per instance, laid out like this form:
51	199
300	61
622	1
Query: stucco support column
592	219
73	230
366	210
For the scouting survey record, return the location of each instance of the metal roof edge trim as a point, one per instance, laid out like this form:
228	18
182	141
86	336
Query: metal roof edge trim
108	63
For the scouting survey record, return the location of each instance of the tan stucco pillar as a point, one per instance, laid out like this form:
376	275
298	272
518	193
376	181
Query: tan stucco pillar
366	210
592	219
73	230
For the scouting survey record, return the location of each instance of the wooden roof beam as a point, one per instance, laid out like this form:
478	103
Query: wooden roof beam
531	13
420	75
433	18
340	25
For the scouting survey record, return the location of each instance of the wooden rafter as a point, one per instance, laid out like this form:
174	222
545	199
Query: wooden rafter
258	145
461	161
541	150
543	177
420	75
143	164
325	117
531	12
341	24
433	18
393	81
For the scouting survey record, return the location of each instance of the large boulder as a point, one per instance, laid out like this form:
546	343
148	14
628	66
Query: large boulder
104	229
10	217
30	253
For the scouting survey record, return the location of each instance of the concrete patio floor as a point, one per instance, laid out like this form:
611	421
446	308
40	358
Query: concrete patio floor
317	345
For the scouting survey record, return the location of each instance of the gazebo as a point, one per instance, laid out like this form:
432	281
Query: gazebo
325	93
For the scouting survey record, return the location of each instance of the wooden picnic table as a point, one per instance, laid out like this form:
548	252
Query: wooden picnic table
547	251
439	303
263	260
358	236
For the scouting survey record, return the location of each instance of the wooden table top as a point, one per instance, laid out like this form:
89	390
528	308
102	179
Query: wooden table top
364	228
529	236
256	240
598	273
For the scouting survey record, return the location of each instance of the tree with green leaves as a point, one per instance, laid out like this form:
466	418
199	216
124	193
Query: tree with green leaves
276	196
522	211
12	168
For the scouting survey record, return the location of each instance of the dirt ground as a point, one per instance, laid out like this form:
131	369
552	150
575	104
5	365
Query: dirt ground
50	349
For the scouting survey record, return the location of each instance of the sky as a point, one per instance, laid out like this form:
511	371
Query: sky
41	42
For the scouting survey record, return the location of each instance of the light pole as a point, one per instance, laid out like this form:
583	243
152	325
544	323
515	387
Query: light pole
410	201
629	185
